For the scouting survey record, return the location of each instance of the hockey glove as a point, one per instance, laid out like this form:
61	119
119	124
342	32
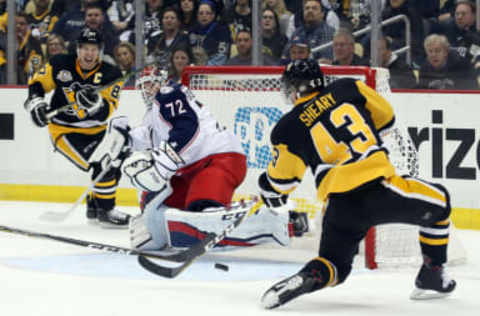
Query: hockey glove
38	110
89	99
270	197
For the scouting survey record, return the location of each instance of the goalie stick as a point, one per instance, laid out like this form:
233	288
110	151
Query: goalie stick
199	248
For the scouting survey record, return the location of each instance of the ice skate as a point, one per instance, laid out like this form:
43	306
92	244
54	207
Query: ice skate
287	289
113	219
432	282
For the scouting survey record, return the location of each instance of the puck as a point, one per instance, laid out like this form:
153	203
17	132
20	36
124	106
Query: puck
221	266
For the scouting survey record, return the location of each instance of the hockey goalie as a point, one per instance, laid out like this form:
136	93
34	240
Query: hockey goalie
186	167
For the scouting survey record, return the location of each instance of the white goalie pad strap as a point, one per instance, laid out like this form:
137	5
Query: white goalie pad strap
143	173
265	226
112	144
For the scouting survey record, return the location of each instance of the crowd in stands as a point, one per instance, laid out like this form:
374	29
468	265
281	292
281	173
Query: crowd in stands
445	42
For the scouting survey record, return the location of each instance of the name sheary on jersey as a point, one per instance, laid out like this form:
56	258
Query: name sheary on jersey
316	108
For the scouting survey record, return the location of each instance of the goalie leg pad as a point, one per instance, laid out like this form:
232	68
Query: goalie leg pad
265	226
114	145
149	231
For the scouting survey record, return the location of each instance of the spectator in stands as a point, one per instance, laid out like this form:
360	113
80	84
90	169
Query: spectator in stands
188	14
273	40
298	50
447	10
41	20
244	48
396	31
180	58
210	39
95	20
124	54
55	45
298	19
401	74
62	7
278	6
121	14
151	23
444	68
171	36
70	25
344	50
29	51
461	32
239	17
314	29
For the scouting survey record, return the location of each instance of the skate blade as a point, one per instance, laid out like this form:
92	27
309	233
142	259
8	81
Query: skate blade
421	294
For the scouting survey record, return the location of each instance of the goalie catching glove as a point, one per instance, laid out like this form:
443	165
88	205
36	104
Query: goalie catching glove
89	99
151	170
38	110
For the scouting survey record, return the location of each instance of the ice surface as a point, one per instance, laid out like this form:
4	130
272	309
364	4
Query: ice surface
41	277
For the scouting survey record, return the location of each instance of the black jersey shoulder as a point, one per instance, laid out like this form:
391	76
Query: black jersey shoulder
345	90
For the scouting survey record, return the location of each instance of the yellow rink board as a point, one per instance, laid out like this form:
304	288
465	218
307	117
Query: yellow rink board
463	218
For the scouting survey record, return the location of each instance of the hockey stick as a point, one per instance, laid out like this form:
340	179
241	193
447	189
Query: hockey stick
180	256
64	108
52	216
198	249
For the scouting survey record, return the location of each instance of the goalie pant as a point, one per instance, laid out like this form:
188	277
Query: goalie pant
170	227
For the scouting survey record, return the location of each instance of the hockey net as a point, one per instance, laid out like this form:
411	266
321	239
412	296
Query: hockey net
248	101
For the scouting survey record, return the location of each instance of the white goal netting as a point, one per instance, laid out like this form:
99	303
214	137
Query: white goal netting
248	101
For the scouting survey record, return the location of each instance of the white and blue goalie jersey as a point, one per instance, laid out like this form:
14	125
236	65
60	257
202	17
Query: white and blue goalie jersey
186	124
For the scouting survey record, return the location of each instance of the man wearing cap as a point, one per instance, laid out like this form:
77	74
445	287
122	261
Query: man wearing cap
299	49
315	30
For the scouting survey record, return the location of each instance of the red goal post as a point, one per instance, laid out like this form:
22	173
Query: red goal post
248	101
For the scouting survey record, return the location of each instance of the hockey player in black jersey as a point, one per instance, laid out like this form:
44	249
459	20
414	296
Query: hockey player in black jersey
77	131
334	130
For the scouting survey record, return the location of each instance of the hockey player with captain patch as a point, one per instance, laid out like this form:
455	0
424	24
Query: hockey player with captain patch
334	131
77	130
186	167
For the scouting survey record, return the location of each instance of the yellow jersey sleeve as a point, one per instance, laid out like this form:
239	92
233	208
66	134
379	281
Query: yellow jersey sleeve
286	169
381	110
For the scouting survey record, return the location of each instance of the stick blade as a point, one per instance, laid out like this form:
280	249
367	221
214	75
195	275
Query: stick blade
167	272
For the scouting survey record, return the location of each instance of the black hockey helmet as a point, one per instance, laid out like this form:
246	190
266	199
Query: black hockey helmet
302	76
90	36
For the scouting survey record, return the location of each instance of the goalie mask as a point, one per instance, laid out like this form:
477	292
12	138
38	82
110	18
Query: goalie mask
300	77
151	79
